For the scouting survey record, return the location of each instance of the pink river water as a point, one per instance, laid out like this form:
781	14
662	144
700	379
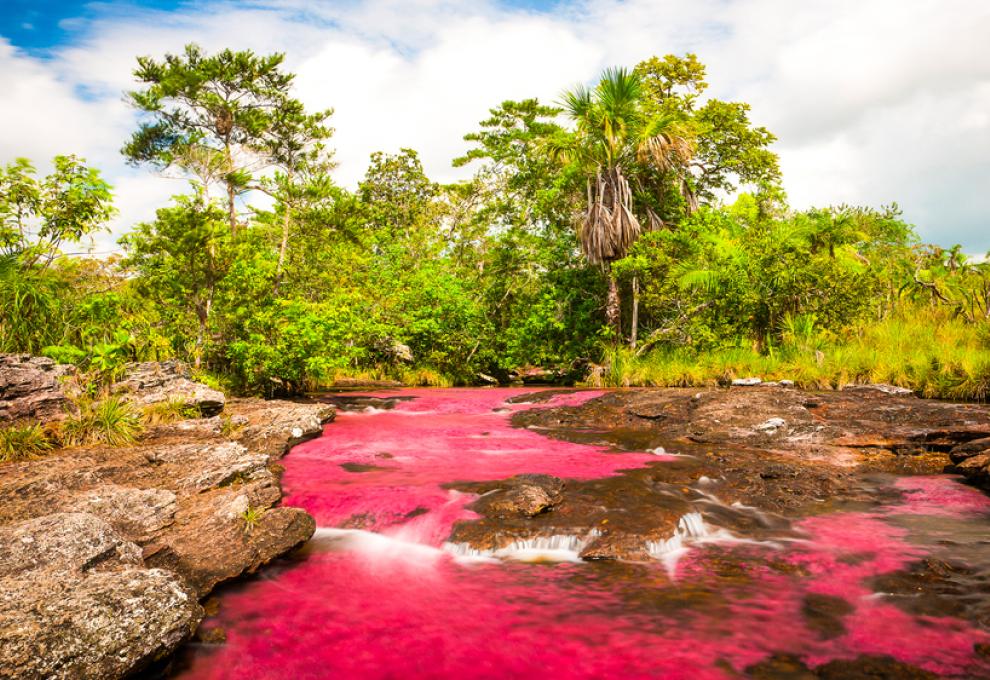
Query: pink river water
387	601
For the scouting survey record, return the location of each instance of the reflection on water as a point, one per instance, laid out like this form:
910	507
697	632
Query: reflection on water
377	594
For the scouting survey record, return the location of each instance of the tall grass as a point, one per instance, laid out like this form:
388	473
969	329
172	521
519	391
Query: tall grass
23	442
112	421
412	376
171	411
929	352
423	376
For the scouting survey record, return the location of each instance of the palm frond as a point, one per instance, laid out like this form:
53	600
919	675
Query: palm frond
707	280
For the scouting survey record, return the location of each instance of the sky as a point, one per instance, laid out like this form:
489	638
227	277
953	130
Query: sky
872	101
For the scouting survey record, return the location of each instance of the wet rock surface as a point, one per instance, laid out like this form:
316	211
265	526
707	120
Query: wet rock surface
868	428
105	553
519	496
746	459
866	667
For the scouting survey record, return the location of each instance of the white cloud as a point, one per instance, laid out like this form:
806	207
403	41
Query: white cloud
873	100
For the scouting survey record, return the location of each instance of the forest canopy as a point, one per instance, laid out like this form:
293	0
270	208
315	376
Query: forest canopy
633	231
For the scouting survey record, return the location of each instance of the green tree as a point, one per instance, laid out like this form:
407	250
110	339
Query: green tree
728	151
222	118
398	193
180	259
38	217
616	141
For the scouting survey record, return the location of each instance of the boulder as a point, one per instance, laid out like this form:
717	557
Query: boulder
154	382
31	388
969	449
201	466
273	431
102	625
523	496
615	545
977	469
76	601
235	547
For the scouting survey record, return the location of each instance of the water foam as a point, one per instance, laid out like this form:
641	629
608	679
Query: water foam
554	548
377	546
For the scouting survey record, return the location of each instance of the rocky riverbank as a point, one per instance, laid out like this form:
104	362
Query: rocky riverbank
106	553
780	451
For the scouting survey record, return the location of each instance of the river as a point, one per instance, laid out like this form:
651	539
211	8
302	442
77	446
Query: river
380	593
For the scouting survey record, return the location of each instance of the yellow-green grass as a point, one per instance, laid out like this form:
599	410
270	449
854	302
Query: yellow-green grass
929	352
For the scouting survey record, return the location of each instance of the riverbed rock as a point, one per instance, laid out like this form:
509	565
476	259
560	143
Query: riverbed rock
273	431
137	514
235	547
155	382
77	602
202	466
977	469
31	388
972	459
521	496
745	461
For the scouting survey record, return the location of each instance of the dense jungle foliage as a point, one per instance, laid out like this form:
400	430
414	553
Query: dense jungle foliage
633	233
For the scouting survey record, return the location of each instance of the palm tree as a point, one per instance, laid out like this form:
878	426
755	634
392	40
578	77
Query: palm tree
614	143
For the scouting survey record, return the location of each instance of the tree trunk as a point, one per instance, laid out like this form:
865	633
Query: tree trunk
231	208
282	248
634	331
229	179
612	308
203	313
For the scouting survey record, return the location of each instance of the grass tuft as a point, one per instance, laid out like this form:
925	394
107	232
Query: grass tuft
251	517
24	442
170	411
112	421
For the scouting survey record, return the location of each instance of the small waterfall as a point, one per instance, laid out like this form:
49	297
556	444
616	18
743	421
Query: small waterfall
691	529
555	548
670	550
